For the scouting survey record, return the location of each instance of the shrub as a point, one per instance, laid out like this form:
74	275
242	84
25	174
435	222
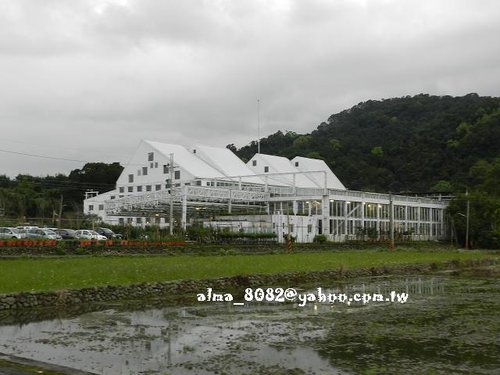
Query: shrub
320	238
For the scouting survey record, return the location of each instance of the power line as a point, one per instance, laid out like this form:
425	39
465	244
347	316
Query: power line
45	181
42	156
55	157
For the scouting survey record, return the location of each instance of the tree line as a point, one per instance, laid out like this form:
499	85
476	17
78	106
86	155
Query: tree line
50	198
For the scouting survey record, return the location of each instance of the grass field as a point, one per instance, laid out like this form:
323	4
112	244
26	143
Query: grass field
36	274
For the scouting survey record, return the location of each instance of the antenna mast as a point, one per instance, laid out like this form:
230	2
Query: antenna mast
258	126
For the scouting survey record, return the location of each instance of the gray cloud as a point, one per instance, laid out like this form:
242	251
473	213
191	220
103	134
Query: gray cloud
87	79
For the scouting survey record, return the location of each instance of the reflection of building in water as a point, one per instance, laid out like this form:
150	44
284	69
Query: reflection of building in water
408	285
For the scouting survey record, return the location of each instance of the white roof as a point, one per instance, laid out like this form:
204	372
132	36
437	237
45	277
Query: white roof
186	160
308	164
102	197
280	164
226	162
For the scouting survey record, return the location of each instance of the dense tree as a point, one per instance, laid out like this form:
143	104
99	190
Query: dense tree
41	197
406	144
278	143
483	201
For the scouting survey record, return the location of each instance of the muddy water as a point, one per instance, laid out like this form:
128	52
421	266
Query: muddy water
449	325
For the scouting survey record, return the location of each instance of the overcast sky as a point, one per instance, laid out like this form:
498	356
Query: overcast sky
88	79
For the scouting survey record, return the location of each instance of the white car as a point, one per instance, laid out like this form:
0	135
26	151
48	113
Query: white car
42	233
8	232
87	234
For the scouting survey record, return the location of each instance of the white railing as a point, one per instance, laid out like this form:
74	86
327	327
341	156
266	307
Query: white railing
255	194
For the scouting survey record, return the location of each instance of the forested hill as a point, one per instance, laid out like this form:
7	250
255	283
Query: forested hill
412	144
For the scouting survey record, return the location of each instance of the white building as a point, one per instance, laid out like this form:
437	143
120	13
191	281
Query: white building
306	165
166	184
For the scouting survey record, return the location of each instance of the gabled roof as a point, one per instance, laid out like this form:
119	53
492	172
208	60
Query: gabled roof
226	162
308	164
186	160
280	164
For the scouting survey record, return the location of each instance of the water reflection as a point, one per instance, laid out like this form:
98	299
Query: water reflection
211	338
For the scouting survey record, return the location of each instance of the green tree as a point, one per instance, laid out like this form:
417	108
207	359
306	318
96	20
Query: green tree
377	151
302	142
442	186
484	206
335	144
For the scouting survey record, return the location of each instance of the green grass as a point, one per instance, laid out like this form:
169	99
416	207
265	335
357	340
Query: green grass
37	274
21	368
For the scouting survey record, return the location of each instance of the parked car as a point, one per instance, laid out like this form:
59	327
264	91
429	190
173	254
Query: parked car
23	229
88	234
108	233
43	233
9	232
66	234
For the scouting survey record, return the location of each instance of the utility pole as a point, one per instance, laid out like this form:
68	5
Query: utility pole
289	244
467	221
258	126
391	222
171	170
59	225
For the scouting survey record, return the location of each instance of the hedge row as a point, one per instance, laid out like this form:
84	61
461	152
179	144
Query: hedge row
85	243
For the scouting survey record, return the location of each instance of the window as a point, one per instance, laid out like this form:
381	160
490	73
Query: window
91	207
177	175
122	189
151	165
296	163
121	221
139	189
165	169
254	162
156	164
266	169
130	178
144	171
138	220
151	156
157	187
130	189
112	197
101	207
148	187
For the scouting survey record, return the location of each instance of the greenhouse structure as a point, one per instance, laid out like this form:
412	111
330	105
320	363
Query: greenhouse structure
169	186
